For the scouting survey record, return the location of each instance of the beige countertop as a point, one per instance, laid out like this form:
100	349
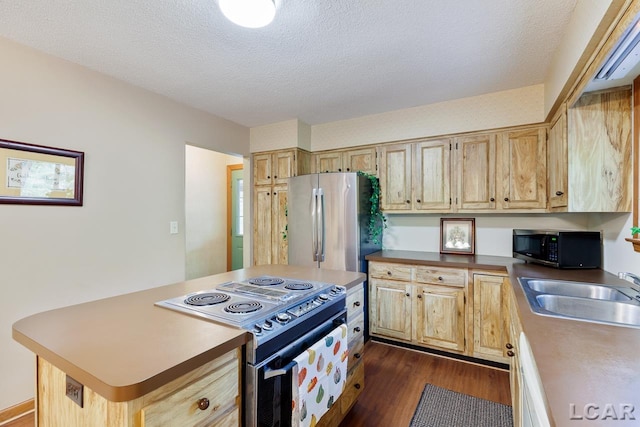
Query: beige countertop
124	346
579	363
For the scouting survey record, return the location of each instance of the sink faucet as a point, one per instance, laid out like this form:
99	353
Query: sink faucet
629	277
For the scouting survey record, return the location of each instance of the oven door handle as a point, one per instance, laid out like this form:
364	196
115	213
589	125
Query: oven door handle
270	373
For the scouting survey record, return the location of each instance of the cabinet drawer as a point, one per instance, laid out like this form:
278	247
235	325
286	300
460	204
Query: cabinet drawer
220	387
356	340
352	389
441	276
390	271
355	302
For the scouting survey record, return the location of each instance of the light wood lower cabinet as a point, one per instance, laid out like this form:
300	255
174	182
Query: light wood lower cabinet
515	373
180	402
458	310
355	369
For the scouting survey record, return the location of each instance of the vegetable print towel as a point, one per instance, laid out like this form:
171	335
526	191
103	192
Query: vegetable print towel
319	377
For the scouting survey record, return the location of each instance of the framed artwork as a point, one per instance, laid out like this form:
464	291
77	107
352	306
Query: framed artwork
458	236
38	175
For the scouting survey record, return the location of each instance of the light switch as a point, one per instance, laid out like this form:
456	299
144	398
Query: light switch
173	227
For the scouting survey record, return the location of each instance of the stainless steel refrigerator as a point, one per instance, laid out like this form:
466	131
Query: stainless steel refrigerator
328	222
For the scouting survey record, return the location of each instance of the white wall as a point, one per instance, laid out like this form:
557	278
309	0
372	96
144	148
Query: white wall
119	241
206	211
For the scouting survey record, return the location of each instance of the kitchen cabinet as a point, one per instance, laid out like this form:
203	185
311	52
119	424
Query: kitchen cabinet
416	176
209	395
512	351
355	367
490	316
521	169
353	160
421	305
600	174
476	172
270	174
557	160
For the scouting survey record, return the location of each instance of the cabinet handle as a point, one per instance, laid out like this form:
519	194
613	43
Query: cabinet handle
510	353
203	403
440	278
268	177
275	177
389	273
357	355
357	386
418	201
326	171
356	304
274	193
493	199
420	296
348	169
509	345
339	169
357	329
506	199
559	193
268	194
407	294
408	201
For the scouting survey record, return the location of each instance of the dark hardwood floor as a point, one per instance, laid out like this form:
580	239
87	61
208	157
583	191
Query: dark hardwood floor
395	378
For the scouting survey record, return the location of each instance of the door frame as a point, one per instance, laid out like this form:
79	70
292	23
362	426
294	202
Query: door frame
230	168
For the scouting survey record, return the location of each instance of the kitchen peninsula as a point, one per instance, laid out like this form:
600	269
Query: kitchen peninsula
123	361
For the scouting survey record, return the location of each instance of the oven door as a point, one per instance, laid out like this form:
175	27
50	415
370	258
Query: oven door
270	381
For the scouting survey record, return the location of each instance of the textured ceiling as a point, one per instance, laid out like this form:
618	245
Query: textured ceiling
318	61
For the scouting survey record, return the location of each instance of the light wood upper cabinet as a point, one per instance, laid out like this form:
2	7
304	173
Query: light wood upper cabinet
490	316
396	177
476	172
600	161
262	164
557	183
522	171
354	160
432	183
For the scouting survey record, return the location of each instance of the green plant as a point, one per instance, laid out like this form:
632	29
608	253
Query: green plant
377	221
635	230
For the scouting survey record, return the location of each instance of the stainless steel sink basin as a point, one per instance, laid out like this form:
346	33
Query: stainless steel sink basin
590	302
577	289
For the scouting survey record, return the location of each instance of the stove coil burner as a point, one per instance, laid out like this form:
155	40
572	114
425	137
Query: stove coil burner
209	298
243	307
299	286
266	281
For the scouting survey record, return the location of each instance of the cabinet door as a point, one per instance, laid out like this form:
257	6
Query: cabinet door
490	330
523	169
262	223
262	169
390	309
283	166
600	161
363	160
279	242
395	177
329	162
515	373
557	164
476	172
439	313
432	176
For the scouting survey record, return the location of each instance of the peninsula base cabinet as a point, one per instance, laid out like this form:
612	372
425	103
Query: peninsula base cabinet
457	310
209	395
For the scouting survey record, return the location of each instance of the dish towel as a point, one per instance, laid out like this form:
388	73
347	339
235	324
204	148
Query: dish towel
319	376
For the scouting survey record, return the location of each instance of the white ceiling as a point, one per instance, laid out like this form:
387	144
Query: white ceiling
319	61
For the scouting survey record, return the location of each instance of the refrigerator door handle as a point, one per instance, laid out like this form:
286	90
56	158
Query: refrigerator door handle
321	225
314	224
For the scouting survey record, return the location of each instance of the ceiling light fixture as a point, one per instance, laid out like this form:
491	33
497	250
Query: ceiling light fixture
625	55
249	13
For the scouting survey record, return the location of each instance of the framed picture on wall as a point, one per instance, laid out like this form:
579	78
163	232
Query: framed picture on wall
38	175
458	236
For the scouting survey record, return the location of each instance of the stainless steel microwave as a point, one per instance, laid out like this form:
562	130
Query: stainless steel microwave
559	249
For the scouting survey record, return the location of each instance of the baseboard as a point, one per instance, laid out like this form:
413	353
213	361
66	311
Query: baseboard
16	411
445	354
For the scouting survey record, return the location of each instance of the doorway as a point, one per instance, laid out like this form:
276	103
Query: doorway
235	217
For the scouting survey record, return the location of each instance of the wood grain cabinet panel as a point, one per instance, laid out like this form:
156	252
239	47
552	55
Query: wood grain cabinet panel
600	161
390	309
432	176
401	272
353	160
476	172
396	184
329	162
557	183
439	314
490	316
262	224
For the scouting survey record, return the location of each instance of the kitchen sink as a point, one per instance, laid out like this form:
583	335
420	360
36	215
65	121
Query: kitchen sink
590	302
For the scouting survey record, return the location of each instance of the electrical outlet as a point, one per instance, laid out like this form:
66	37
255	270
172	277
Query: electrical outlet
75	391
173	227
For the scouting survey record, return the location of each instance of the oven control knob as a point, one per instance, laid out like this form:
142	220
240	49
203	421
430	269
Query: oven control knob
268	325
323	297
283	317
257	329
